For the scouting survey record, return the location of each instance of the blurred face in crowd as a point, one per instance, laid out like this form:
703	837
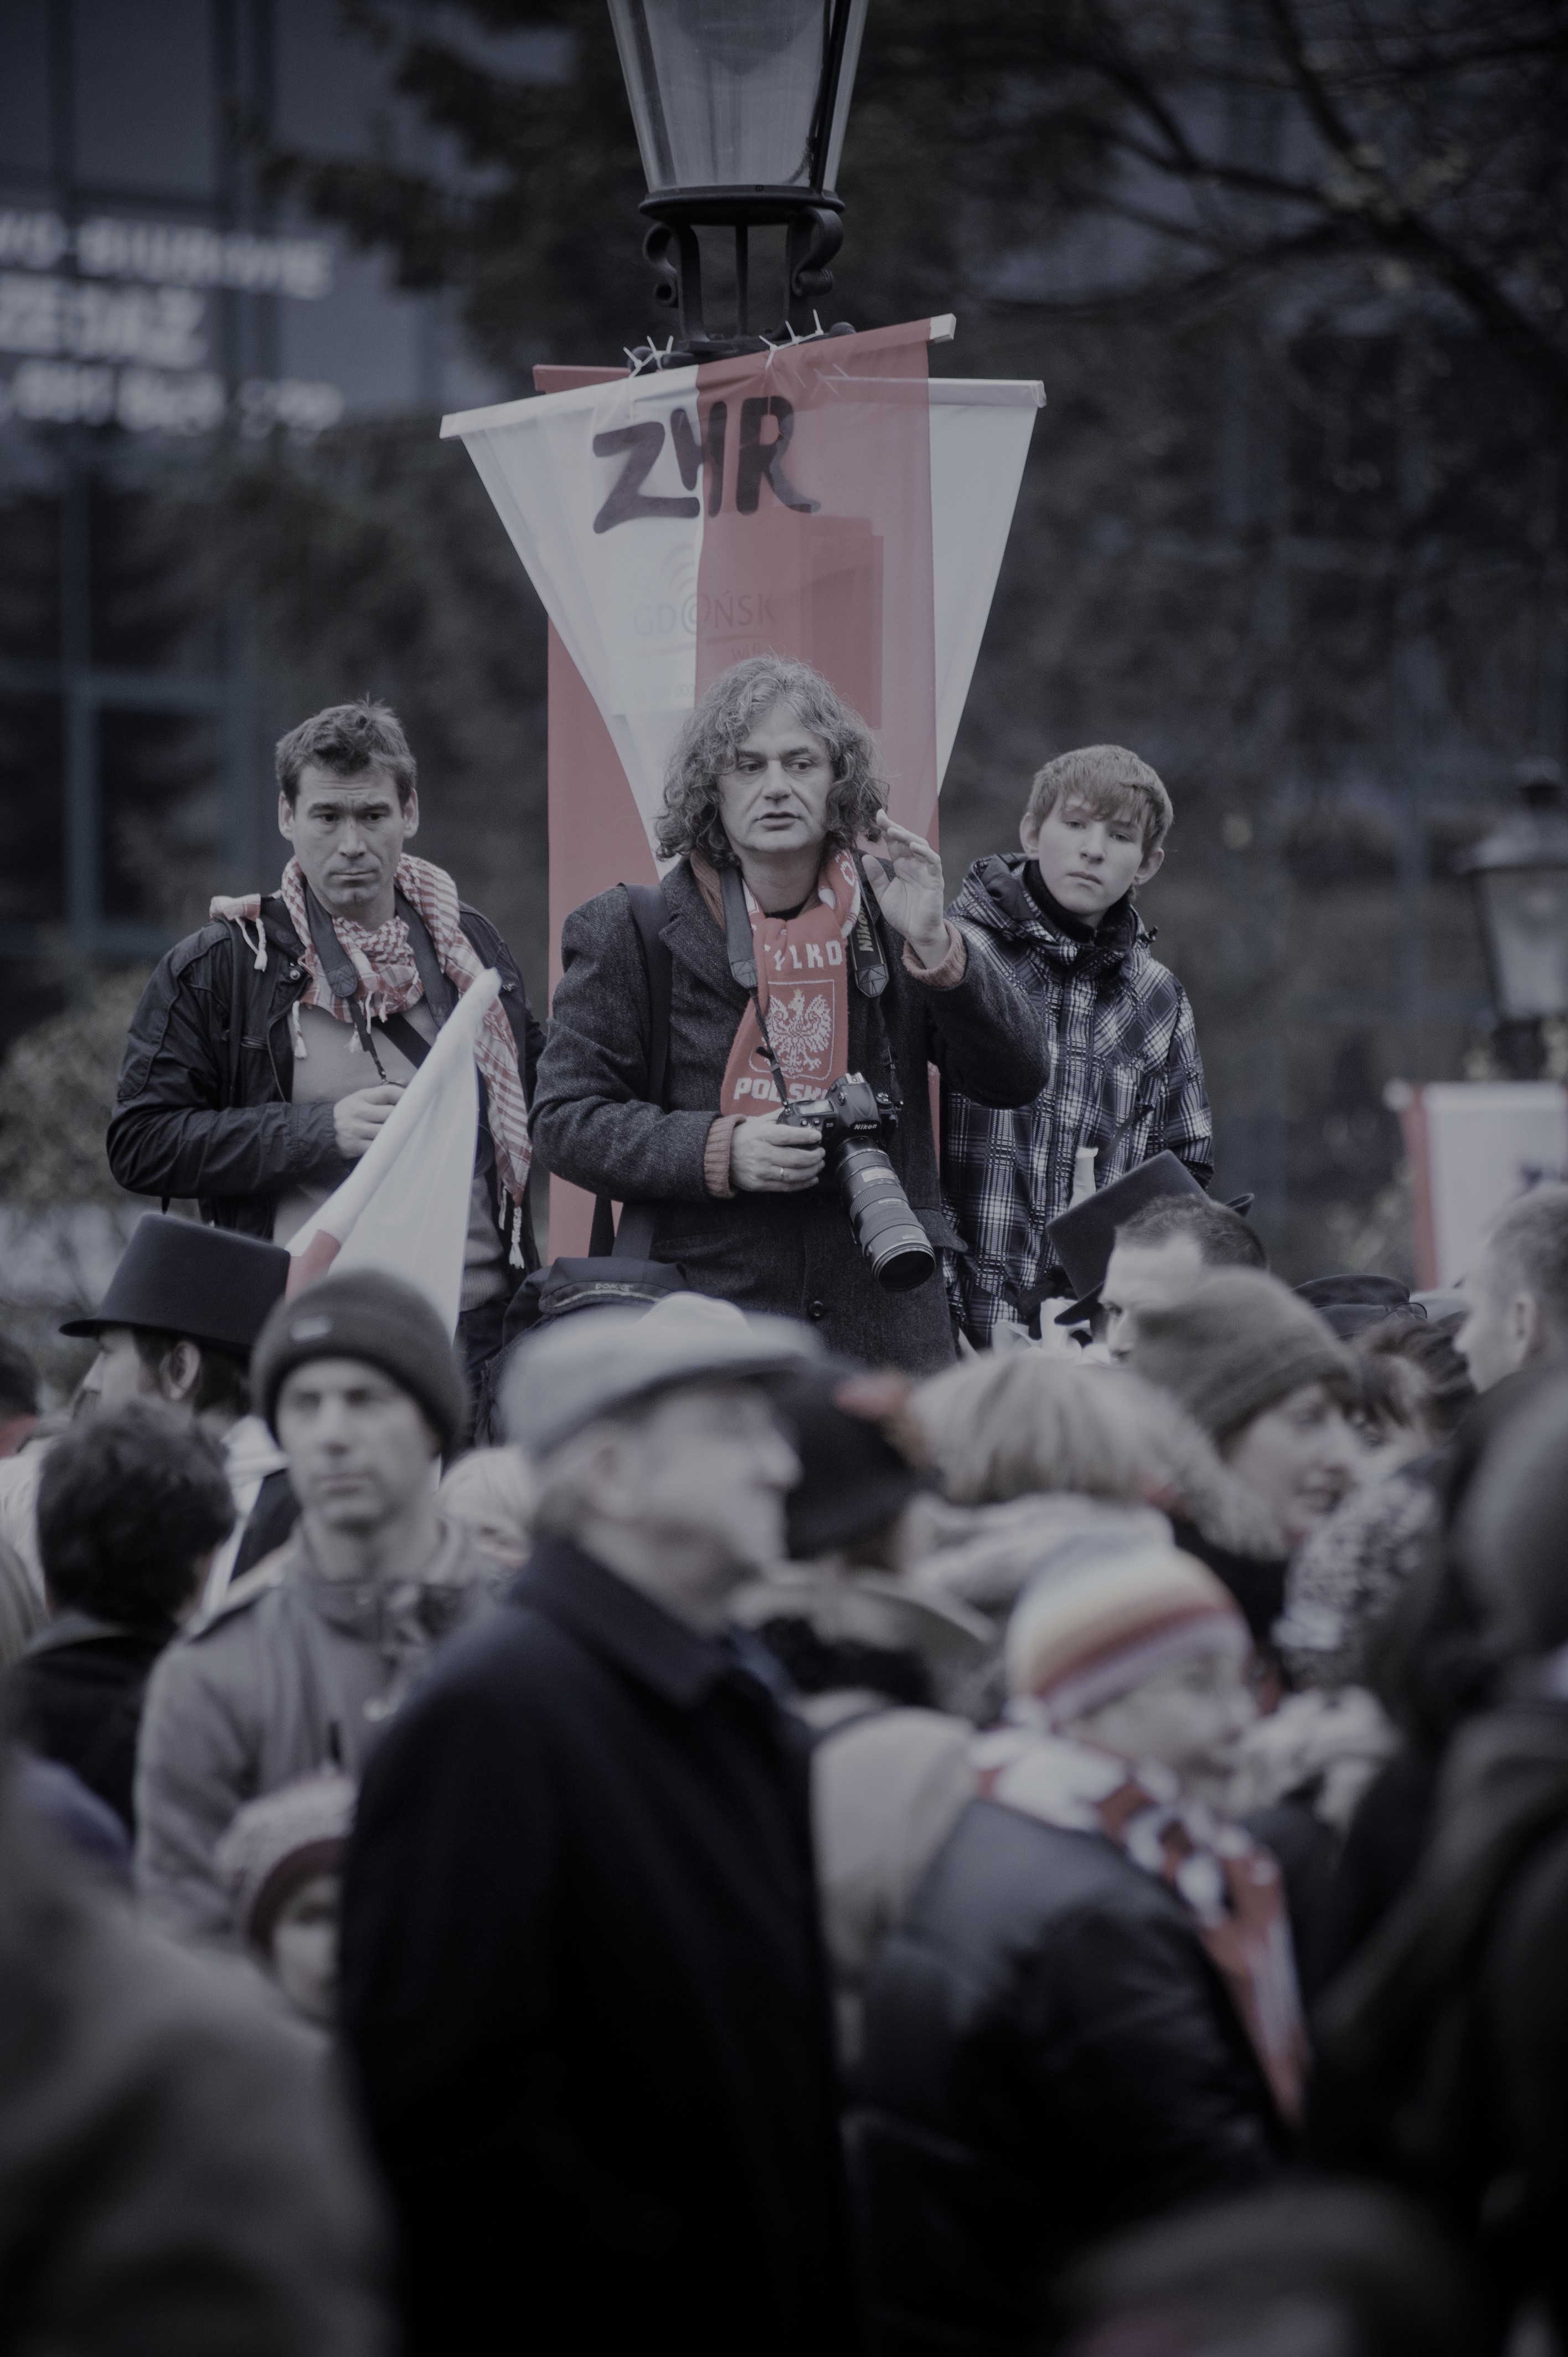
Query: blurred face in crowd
1088	860
689	1498
1300	1455
304	1948
1504	1326
775	797
499	1532
118	1375
1190	1716
1146	1276
348	835
359	1450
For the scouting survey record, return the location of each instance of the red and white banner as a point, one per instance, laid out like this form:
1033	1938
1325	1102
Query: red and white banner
828	501
1474	1146
404	1206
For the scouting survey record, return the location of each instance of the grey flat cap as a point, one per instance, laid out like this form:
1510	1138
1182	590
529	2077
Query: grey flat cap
585	1366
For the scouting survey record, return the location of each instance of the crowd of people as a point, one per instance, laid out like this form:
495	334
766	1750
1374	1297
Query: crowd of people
731	1803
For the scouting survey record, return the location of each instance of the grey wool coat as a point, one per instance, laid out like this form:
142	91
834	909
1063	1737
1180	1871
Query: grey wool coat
795	1255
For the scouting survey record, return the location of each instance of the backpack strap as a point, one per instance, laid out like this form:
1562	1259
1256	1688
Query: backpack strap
634	1238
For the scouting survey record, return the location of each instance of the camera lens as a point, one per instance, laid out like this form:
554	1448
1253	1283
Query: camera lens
885	1228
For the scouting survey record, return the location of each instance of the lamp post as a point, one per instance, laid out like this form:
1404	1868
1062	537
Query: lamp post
740	108
1519	875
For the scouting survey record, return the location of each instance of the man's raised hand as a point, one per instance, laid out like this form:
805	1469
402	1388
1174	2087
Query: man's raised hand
906	875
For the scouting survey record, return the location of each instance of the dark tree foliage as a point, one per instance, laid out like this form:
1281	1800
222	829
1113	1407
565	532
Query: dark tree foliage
1230	142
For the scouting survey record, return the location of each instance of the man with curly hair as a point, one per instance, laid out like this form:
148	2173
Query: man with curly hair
774	781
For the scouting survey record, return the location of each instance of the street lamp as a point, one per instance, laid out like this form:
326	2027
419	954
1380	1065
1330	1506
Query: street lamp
1519	875
740	108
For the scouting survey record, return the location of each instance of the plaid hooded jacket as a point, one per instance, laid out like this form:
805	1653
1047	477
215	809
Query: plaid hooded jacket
1126	1077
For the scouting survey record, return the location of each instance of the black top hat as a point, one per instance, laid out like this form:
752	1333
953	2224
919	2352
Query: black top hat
1350	1304
201	1282
1083	1237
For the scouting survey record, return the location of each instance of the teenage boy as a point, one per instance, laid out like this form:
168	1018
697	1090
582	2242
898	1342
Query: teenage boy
1125	1075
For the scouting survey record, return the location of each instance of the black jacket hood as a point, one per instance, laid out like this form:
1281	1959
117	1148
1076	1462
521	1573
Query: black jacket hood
994	894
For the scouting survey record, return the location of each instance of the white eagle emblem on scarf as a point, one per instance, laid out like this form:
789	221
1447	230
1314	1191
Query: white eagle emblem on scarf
800	1026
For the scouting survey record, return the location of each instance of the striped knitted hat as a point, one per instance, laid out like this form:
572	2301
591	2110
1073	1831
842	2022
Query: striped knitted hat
1095	1628
276	1844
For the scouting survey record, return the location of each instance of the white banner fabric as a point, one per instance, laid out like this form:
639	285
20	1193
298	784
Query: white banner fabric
624	603
403	1207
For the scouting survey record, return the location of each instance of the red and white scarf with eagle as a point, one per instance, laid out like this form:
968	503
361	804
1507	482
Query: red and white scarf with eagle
802	987
384	960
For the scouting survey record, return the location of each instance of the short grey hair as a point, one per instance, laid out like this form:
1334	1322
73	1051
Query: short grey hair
1528	1249
708	744
564	1479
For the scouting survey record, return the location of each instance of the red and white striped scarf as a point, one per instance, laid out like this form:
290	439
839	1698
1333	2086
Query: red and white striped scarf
1229	1884
383	959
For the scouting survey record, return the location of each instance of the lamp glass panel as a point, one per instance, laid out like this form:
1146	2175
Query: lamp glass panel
1525	911
724	93
846	85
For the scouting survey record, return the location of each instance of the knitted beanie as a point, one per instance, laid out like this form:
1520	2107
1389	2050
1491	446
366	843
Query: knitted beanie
370	1316
280	1842
1235	1347
1097	1626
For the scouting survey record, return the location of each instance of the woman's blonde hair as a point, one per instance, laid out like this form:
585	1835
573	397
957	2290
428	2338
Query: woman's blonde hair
1017	1423
1006	1426
491	1489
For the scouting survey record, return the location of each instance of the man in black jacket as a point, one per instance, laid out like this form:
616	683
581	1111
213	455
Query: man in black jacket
270	1047
582	1978
132	1507
770	789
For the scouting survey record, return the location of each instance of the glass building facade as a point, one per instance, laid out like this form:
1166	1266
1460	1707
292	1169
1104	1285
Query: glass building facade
152	304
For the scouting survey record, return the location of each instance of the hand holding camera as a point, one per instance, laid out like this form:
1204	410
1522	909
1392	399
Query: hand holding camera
766	1158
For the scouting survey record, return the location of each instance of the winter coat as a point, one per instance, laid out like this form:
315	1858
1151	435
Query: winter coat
1123	1074
888	1784
1451	2023
77	1695
792	1254
174	2173
584	1991
292	1673
1049	2055
196	1116
1380	1856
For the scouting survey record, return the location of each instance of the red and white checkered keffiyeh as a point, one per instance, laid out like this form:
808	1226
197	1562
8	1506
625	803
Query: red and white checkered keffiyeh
389	983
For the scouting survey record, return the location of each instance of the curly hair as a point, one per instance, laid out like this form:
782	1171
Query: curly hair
708	743
129	1501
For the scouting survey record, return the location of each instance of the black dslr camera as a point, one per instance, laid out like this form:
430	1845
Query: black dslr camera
853	1119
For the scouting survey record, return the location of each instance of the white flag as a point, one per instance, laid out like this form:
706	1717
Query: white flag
403	1207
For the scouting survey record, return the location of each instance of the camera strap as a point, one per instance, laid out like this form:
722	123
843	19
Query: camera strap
867	955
